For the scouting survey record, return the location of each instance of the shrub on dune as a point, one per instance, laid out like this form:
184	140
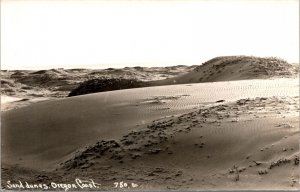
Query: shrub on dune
101	85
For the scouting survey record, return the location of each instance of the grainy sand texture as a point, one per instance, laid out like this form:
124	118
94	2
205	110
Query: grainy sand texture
231	123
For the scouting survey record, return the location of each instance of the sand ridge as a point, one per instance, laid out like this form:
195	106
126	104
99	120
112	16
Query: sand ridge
150	155
57	83
230	68
109	110
170	140
161	139
34	86
231	123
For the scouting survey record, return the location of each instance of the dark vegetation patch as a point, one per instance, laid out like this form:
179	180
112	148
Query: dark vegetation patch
102	85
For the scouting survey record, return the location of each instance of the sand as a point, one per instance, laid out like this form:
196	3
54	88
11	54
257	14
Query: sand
58	83
231	68
221	135
33	86
229	124
7	99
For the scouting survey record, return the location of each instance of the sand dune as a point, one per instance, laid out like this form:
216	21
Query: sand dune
32	86
6	99
58	83
231	68
231	123
197	136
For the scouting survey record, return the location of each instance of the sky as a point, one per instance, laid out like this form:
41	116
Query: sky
43	34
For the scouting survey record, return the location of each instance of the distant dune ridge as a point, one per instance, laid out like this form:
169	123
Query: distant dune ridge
217	69
235	68
57	83
71	82
230	123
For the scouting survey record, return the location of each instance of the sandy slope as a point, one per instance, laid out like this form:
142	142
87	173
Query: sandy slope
59	82
226	68
7	99
229	68
33	86
193	142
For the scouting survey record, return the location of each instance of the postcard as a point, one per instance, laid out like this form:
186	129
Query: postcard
149	95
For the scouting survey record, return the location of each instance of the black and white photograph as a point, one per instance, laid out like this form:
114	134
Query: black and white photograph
150	95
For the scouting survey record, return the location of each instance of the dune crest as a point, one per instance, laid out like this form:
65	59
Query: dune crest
172	136
231	123
229	68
